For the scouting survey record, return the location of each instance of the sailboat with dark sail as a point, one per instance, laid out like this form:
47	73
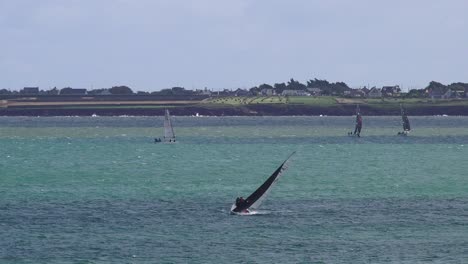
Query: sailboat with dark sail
358	127
169	135
405	122
252	203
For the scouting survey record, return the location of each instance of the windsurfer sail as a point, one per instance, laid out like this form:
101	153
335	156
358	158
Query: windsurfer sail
169	135
242	206
358	127
405	121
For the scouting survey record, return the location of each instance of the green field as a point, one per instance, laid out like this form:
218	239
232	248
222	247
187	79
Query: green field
234	100
253	105
327	101
306	100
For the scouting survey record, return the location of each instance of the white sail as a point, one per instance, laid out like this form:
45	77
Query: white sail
169	135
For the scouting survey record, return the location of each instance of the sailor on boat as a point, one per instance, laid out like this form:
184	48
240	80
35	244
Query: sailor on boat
240	202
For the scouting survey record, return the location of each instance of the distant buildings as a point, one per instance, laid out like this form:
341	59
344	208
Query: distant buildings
242	92
374	93
30	90
73	91
391	91
445	94
203	92
315	91
358	93
295	93
434	90
268	92
104	92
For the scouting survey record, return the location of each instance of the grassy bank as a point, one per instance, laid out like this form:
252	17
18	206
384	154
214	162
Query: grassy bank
260	105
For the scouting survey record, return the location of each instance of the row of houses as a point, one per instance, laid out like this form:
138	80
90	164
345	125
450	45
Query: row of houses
225	92
64	91
386	91
447	94
394	91
271	92
374	92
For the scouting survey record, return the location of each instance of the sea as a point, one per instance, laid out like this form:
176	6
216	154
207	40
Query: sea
99	190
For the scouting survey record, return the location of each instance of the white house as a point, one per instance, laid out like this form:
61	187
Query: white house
314	91
375	93
268	92
295	93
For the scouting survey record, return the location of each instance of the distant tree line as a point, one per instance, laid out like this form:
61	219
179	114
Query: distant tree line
437	88
326	88
115	90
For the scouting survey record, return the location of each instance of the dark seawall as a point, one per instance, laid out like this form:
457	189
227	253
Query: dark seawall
247	110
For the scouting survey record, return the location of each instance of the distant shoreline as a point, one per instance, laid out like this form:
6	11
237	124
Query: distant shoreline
227	106
243	110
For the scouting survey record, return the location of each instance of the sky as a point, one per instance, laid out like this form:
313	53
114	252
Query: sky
150	45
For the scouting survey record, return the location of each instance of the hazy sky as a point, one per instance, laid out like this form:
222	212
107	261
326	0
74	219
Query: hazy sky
155	44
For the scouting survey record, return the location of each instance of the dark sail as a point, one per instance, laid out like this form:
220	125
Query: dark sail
406	124
358	127
256	198
404	117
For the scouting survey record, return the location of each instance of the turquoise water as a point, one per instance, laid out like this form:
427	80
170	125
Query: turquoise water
97	190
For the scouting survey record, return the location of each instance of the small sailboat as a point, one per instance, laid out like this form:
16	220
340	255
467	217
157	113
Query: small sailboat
169	135
358	127
248	206
405	121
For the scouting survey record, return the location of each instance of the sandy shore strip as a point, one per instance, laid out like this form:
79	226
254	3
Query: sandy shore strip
16	103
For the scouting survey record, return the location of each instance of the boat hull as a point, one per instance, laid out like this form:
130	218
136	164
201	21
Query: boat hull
245	212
